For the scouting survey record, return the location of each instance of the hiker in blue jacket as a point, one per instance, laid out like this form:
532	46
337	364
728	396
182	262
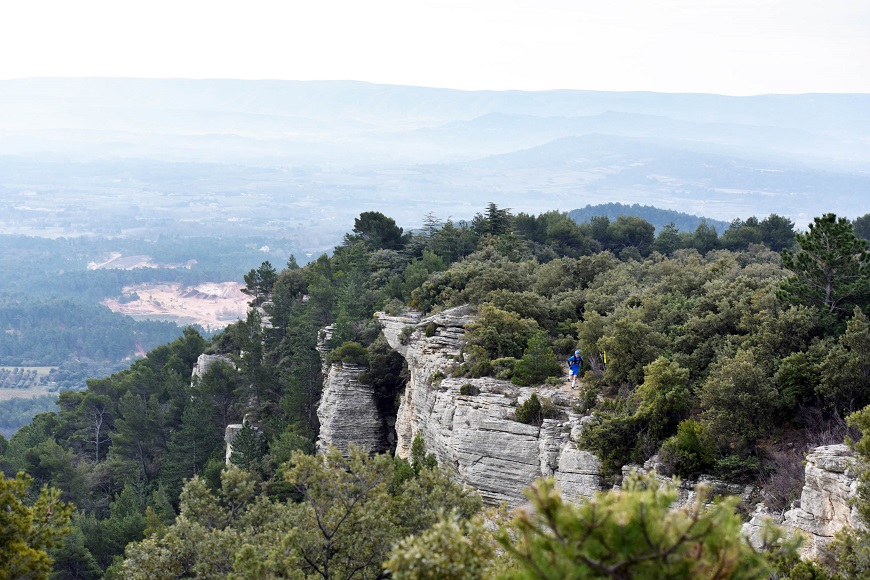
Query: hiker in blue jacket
574	363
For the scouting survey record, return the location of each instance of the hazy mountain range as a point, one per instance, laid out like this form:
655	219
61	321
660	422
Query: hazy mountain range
301	159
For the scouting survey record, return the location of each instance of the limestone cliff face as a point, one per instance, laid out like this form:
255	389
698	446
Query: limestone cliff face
348	409
476	435
204	361
824	508
829	485
479	439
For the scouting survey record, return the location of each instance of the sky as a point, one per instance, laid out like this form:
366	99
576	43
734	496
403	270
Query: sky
733	47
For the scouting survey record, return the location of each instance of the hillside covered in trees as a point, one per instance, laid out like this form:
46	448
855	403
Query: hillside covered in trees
726	354
659	218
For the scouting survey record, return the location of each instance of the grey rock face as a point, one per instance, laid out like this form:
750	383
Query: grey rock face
394	327
348	412
477	436
829	485
206	360
230	433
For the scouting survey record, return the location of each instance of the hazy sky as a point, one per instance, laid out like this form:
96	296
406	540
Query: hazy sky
715	46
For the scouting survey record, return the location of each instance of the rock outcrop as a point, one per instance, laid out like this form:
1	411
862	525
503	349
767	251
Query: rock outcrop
230	433
204	361
348	410
825	504
476	435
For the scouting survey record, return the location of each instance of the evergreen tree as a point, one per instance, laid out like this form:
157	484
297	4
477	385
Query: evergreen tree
28	531
248	447
668	240
831	268
538	362
777	232
632	533
861	226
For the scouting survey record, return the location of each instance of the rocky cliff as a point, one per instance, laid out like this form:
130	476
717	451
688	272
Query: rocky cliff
478	438
476	435
825	504
348	409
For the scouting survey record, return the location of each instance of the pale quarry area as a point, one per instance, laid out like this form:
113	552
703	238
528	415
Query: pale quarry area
212	305
117	261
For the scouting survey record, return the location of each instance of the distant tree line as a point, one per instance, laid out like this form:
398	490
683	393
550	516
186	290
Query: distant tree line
659	218
42	333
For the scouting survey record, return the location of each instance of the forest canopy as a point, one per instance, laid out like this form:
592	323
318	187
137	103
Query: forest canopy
685	337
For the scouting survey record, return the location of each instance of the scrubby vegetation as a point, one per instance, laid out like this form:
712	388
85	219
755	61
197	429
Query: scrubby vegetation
708	350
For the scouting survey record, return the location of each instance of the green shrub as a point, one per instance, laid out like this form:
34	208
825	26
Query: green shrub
613	439
350	353
689	453
538	362
431	328
737	468
394	307
530	411
469	390
419	458
480	369
503	368
405	334
587	400
436	378
549	410
500	333
477	363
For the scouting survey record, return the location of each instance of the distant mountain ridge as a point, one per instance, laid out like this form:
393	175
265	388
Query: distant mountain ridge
218	151
657	217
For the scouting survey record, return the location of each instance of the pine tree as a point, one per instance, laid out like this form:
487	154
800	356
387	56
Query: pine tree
538	362
831	268
27	531
248	447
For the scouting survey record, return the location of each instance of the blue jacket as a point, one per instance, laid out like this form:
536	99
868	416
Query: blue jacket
575	362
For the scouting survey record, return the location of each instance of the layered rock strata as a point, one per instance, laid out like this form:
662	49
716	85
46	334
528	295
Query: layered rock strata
348	411
825	506
476	435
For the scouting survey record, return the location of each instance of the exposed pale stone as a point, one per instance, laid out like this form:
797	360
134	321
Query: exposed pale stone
229	435
204	361
687	491
579	473
829	485
348	412
824	507
477	436
393	326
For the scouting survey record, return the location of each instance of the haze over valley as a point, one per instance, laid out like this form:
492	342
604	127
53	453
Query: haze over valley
299	160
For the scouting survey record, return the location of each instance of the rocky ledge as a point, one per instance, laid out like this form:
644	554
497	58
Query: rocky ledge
476	435
824	508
